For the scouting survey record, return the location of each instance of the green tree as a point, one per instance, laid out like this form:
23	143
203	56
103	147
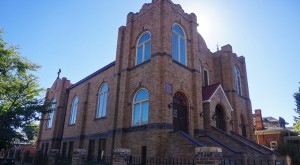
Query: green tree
297	110
31	131
19	91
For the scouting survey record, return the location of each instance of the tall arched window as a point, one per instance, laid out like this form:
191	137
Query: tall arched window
178	44
237	78
143	48
102	101
74	108
140	108
206	77
51	114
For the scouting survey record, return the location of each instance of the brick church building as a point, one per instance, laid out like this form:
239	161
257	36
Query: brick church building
164	94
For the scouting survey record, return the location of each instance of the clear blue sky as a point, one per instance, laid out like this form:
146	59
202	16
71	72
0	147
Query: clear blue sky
81	36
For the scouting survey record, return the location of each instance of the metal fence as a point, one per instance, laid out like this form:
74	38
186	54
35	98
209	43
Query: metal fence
175	161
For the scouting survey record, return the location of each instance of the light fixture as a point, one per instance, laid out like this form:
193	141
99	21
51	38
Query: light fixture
170	105
201	114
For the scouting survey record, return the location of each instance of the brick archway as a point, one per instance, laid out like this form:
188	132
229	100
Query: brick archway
180	112
220	117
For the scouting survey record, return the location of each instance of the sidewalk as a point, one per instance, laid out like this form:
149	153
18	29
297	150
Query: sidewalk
19	163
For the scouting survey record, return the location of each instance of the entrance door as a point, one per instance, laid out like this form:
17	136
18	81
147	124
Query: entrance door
220	122
180	114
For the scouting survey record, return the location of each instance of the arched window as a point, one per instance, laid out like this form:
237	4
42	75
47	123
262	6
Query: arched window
74	108
102	101
178	44
237	78
51	114
206	77
143	48
140	108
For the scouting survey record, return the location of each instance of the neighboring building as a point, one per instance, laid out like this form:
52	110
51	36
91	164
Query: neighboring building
273	133
165	94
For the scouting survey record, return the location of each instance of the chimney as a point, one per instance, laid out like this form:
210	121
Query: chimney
258	120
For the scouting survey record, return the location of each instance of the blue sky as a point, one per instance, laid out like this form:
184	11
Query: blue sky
81	36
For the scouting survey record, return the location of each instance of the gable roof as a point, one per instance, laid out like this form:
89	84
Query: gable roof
209	91
92	75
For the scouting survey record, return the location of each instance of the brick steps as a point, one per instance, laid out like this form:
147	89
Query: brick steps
210	142
240	145
253	143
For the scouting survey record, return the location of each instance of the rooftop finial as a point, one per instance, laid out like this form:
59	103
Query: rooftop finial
218	46
58	73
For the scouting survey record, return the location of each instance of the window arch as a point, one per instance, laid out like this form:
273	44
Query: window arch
102	101
74	108
143	48
140	107
237	78
178	44
51	114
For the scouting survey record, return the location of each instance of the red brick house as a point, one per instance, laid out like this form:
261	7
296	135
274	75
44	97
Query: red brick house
165	94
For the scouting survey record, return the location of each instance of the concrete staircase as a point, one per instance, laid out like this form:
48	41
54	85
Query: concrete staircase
234	144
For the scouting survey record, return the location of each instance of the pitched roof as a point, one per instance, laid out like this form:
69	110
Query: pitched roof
208	91
92	75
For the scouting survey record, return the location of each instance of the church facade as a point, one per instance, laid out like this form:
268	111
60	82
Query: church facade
165	93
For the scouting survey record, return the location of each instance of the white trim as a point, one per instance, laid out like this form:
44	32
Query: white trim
74	109
51	114
185	43
100	93
142	45
140	103
219	87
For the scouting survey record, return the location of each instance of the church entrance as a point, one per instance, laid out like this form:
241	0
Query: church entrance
180	113
220	118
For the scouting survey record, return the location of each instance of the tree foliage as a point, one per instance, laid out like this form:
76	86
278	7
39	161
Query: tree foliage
297	110
19	91
31	131
297	101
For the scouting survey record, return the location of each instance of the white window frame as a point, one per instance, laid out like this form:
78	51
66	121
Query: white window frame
101	111
143	44
140	102
237	80
185	44
74	109
51	114
205	70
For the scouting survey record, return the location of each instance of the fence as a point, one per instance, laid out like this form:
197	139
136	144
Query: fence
178	161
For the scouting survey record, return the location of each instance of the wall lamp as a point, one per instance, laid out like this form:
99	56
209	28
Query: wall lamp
214	117
201	114
170	105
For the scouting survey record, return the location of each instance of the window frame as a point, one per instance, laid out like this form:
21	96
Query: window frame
204	77
174	32
73	111
140	102
99	105
51	114
143	45
238	80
